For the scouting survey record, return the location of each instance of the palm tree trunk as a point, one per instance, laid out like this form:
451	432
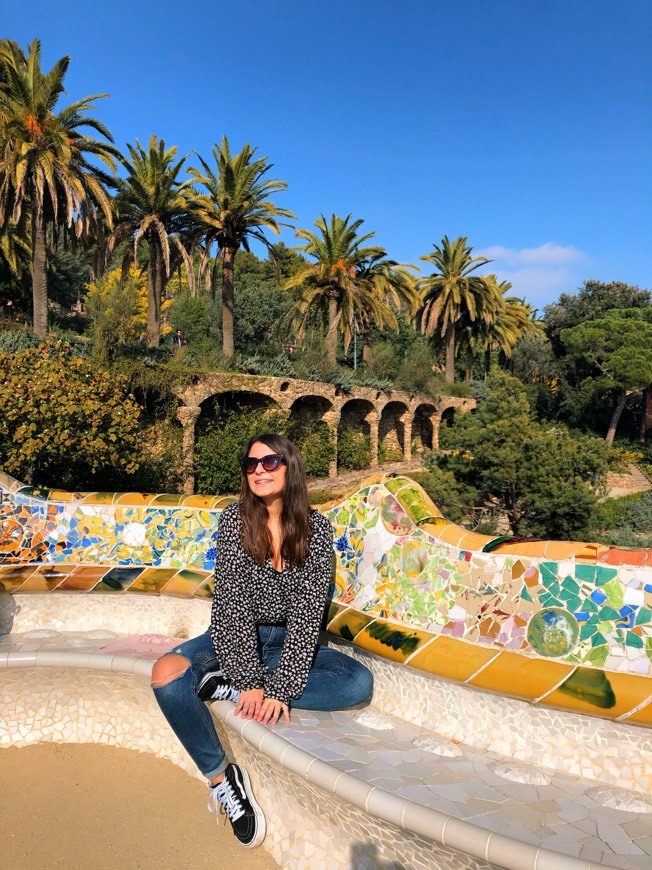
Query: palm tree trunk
39	273
470	363
487	363
366	347
331	336
615	417
154	282
450	353
228	343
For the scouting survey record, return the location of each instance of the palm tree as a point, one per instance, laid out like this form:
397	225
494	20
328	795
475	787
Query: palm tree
236	209
383	287
348	282
45	169
154	205
499	329
453	294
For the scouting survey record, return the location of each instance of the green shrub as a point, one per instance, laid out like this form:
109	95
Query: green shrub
65	422
622	456
353	449
639	515
610	513
454	499
389	453
320	496
219	448
192	315
315	441
16	339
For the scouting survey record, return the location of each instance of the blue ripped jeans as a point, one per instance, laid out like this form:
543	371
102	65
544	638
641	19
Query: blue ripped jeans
335	681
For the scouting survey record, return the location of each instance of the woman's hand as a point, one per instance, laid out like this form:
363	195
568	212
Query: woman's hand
270	711
250	704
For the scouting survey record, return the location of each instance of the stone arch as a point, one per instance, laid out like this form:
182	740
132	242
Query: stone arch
392	431
359	416
308	409
448	417
311	428
424	427
230	400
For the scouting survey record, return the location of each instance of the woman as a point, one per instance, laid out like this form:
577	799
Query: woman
273	572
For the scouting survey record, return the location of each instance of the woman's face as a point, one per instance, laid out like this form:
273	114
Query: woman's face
267	485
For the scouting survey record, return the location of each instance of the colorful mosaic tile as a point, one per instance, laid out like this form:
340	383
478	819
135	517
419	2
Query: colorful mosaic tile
563	623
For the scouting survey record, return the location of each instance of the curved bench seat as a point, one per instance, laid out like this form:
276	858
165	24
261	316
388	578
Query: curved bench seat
328	778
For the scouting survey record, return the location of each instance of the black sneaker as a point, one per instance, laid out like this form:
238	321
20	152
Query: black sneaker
234	794
215	687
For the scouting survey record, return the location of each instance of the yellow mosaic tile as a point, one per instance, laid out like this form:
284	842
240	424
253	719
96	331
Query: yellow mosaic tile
100	498
183	584
200	501
83	578
167	500
450	534
642	716
153	580
520	676
451	658
11	578
348	623
136	499
601	693
47	577
205	589
391	640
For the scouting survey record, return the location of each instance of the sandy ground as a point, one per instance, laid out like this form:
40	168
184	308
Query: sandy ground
87	807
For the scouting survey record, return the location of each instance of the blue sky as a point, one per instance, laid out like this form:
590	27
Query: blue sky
525	126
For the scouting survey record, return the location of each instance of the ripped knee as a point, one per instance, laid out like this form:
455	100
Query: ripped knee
168	668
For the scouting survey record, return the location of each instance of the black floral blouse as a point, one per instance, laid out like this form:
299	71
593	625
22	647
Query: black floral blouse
248	595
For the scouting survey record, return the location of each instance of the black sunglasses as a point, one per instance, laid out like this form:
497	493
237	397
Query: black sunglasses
270	462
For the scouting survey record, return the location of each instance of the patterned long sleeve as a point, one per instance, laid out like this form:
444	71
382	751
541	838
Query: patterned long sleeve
309	586
248	595
233	622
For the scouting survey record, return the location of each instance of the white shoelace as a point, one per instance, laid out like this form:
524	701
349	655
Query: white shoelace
225	692
223	795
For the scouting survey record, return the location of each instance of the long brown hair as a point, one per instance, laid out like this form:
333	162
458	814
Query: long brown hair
295	529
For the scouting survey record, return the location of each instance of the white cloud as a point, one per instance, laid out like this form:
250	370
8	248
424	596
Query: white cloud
539	274
548	254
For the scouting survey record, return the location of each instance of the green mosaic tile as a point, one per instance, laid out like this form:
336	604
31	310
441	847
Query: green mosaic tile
598	640
587	573
587	631
548	571
569	585
608	613
598	656
644	616
604	575
614	592
395	483
633	640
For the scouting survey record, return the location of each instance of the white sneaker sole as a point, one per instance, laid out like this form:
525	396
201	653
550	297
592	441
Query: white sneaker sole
261	827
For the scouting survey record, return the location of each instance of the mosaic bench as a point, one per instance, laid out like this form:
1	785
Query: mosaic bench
401	576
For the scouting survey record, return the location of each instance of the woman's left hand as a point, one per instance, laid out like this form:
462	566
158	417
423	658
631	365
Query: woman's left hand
271	710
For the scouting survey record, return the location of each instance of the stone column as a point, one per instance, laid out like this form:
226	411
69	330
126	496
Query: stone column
407	436
435	420
332	420
187	415
373	419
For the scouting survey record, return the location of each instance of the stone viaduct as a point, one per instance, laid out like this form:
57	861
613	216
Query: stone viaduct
398	420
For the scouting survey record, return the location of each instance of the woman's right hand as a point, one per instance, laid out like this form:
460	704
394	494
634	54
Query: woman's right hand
249	703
